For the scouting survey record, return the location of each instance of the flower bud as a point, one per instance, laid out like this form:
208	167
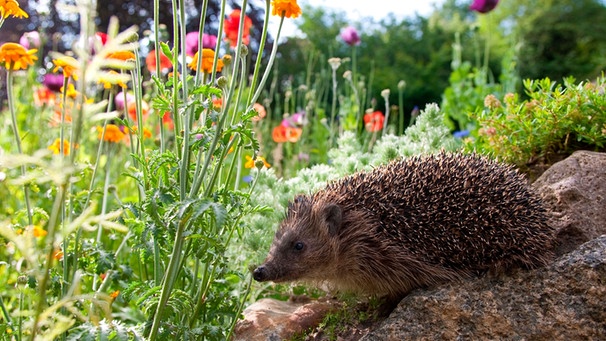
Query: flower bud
222	81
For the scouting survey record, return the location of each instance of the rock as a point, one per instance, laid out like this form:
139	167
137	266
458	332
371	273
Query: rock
575	191
564	301
270	319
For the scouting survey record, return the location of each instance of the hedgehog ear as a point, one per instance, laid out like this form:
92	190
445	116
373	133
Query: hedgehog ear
332	216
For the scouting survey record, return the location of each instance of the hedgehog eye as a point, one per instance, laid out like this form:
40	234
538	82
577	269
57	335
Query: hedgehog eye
299	246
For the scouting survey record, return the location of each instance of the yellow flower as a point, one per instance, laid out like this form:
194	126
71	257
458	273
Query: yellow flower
285	8
208	57
56	147
16	57
11	7
111	78
71	91
250	162
69	66
39	231
112	133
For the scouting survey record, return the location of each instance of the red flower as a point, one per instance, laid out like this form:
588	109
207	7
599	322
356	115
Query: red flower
282	134
374	121
150	61
232	23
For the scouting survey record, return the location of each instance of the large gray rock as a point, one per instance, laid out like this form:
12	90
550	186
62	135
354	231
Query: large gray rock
575	191
564	301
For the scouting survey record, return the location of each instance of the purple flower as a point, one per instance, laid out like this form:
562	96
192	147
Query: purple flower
191	42
53	81
483	6
350	36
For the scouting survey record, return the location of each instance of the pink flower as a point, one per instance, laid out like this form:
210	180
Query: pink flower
350	36
30	40
119	100
191	42
483	6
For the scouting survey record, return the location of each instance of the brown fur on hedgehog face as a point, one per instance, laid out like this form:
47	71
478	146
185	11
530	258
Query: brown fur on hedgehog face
295	253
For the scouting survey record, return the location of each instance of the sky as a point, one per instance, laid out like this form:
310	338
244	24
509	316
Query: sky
358	9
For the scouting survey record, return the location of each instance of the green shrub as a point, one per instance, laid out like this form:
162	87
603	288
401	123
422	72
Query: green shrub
553	122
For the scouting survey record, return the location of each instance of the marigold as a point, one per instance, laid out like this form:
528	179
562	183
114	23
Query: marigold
250	162
16	56
68	65
112	133
55	147
285	8
232	24
208	56
374	121
11	7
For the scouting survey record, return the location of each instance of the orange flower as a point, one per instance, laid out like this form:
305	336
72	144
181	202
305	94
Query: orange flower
150	61
374	121
131	108
114	294
261	113
56	147
58	254
168	120
146	132
16	57
232	24
11	7
208	57
44	96
217	103
69	65
39	231
122	55
282	134
56	119
250	162
285	8
112	133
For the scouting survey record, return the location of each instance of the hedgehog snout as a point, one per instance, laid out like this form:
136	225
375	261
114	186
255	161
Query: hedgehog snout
260	274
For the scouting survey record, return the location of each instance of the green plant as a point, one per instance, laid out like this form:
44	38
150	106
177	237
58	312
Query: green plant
556	119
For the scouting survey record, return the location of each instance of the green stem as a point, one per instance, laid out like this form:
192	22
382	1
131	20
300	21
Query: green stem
268	68
49	257
255	77
169	278
11	106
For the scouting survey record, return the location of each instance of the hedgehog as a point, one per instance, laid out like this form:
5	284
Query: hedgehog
415	222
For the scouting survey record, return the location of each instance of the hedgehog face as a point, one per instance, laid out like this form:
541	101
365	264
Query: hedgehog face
304	245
